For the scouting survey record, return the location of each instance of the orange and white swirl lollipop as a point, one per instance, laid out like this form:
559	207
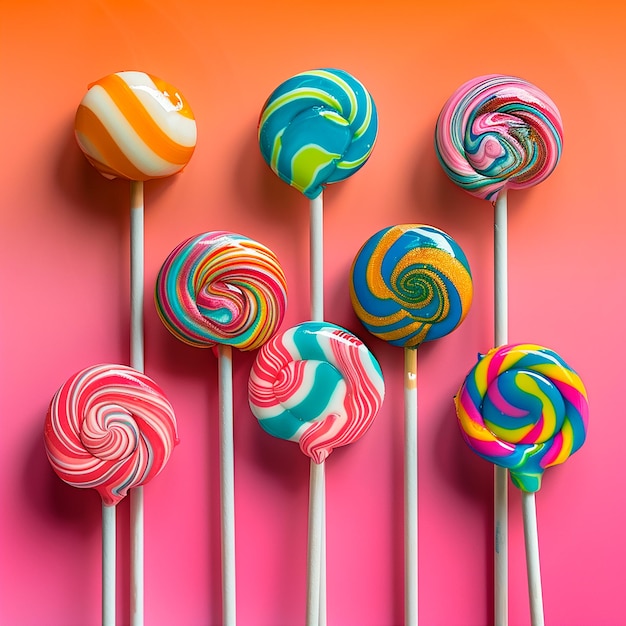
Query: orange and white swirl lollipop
135	126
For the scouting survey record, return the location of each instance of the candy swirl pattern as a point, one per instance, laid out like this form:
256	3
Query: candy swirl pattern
410	283
317	127
523	408
110	428
135	126
498	132
316	384
221	288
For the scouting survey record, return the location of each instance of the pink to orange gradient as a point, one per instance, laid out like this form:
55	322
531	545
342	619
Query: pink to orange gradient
64	246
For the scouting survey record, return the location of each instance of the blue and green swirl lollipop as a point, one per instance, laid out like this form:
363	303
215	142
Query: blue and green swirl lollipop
317	127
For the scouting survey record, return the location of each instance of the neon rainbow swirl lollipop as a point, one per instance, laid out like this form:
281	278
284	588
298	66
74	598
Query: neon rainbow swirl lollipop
318	385
410	283
109	428
522	407
135	126
317	127
498	132
226	290
221	288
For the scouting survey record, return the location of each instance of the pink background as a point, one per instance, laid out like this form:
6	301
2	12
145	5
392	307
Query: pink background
64	243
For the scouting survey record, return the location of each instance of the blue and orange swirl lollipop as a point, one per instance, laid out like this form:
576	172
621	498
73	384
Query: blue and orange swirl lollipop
523	408
317	127
411	283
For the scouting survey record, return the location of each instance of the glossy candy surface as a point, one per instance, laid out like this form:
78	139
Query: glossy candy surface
410	283
110	428
523	408
221	288
316	384
498	132
135	126
317	127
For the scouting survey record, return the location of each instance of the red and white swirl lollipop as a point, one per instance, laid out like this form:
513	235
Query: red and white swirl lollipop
109	428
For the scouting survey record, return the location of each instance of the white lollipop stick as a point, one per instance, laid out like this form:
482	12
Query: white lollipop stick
317	258
410	488
315	547
531	539
227	484
316	558
501	540
108	565
137	362
529	510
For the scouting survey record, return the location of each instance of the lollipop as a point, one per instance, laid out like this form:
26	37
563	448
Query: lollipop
318	385
410	284
136	127
222	289
110	428
498	132
523	408
317	127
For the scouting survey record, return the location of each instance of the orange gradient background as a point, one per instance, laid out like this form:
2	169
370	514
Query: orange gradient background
64	245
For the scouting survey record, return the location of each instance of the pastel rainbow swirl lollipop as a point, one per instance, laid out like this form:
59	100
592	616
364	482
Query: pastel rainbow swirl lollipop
523	408
110	428
316	384
221	288
410	283
317	127
135	126
498	132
